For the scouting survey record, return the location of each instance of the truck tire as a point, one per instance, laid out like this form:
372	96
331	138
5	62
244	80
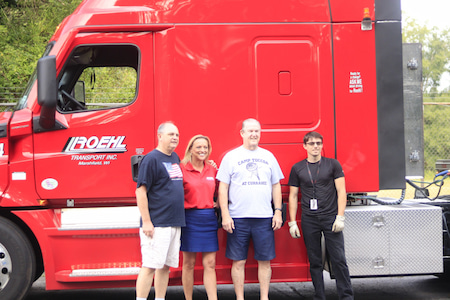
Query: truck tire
17	263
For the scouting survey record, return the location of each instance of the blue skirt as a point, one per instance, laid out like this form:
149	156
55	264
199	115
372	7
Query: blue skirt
200	233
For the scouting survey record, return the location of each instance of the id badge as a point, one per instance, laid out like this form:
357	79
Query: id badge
313	204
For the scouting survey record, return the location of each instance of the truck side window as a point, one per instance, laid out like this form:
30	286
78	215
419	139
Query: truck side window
98	77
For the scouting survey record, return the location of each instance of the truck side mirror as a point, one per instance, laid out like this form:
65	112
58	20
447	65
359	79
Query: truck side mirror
135	162
47	90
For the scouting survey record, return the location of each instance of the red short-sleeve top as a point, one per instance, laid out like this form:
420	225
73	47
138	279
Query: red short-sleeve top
199	187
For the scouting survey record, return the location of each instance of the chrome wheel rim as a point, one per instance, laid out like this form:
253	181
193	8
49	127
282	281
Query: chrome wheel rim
5	266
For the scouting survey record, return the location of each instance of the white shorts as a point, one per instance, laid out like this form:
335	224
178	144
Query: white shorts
162	249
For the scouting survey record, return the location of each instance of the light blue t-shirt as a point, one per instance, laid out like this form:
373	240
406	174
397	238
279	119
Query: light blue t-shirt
250	175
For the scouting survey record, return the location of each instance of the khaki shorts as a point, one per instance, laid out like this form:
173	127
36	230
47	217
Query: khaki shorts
162	249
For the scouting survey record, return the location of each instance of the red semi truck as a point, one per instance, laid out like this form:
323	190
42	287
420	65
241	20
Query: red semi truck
115	69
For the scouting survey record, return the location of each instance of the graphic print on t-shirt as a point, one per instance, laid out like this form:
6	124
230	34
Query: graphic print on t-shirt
253	169
173	170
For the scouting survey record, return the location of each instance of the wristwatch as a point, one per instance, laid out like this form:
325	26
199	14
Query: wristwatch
276	208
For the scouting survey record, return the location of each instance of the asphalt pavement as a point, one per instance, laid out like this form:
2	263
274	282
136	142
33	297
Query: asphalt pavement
387	288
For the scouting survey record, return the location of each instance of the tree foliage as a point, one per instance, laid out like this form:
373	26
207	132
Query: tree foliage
435	62
25	28
435	52
435	128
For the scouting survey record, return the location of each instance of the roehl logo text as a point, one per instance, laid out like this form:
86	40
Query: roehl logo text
94	144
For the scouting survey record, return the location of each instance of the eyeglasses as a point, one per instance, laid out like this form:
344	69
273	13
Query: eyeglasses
314	143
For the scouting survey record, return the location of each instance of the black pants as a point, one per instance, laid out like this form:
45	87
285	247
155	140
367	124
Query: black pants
312	227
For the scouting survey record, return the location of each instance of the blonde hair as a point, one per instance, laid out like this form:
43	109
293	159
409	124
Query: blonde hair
188	156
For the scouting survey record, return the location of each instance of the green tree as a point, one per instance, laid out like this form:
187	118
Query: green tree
25	28
4	3
435	62
435	52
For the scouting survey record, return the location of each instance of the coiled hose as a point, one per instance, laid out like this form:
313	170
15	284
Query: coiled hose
382	200
393	201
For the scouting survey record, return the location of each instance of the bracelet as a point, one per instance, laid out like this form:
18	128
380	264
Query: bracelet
276	208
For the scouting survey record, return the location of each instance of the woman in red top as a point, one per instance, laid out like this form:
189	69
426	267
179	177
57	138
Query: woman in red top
200	233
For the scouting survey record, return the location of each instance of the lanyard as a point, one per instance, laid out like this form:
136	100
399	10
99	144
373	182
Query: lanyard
313	182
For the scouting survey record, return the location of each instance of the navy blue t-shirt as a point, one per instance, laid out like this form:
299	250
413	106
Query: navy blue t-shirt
161	175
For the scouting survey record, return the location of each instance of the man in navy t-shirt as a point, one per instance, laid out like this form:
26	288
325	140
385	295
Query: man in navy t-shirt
160	199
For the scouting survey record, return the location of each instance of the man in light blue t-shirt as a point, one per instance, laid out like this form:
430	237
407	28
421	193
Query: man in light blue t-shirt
249	181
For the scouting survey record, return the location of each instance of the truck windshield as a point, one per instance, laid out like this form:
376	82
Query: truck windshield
23	100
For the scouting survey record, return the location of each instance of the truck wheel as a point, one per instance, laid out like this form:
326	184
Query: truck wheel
17	263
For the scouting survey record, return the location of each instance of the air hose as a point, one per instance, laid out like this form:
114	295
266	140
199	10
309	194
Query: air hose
382	200
393	201
437	182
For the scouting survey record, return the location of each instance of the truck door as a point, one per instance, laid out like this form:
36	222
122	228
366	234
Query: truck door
105	116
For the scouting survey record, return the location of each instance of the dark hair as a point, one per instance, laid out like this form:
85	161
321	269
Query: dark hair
312	135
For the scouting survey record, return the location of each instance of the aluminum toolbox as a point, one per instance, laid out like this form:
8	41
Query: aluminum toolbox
393	239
